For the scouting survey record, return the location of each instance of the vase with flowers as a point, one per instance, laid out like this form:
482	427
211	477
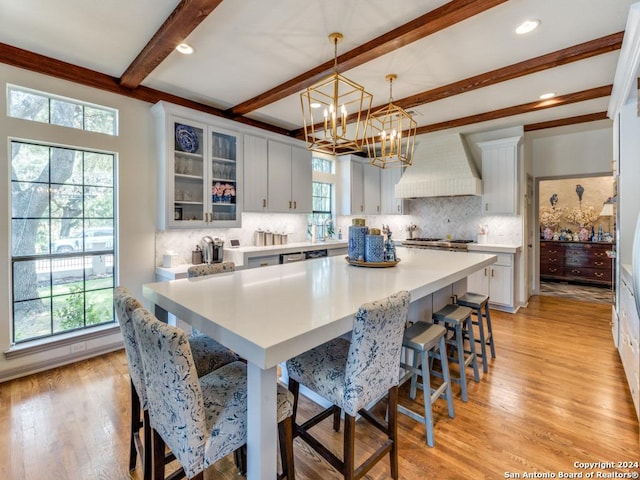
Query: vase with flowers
583	217
550	218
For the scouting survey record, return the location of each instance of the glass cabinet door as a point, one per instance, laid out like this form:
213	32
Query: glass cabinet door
224	177
188	173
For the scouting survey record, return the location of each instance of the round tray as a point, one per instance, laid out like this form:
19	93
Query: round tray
372	264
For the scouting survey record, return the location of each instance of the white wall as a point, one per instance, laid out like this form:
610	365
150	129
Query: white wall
629	180
574	150
136	198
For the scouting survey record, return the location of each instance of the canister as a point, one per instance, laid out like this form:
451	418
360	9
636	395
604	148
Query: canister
356	242
259	238
268	239
374	248
277	239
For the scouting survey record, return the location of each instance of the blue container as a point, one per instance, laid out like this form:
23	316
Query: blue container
356	242
374	248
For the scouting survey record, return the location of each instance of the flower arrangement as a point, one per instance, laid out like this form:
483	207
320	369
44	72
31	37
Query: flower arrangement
222	192
550	217
582	216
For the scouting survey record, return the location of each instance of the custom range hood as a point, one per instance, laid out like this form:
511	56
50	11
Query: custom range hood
441	168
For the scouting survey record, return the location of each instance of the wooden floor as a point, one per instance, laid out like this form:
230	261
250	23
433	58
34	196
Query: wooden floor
555	395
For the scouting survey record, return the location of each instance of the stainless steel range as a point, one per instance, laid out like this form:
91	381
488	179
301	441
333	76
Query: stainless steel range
437	244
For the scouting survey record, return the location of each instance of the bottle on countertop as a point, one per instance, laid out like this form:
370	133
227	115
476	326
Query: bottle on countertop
339	234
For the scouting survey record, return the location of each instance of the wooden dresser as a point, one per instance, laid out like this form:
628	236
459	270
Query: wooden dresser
584	262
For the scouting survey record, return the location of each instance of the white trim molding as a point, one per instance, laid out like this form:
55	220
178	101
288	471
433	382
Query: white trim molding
628	63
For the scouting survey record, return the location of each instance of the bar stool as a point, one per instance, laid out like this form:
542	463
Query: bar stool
457	318
427	341
478	302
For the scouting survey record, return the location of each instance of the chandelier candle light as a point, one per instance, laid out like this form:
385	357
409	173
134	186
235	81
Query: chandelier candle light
391	134
333	98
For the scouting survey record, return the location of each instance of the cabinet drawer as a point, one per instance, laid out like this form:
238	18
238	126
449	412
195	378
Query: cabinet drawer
585	261
552	260
504	259
551	270
590	274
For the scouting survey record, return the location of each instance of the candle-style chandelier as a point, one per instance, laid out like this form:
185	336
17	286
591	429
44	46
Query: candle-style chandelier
391	134
335	112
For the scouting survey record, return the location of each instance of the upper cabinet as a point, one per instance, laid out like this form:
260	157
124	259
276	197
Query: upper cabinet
390	204
278	176
200	170
360	187
500	175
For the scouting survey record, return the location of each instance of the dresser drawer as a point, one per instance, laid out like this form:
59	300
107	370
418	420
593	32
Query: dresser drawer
551	270
588	274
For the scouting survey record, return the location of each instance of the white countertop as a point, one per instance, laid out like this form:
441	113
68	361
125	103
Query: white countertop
266	314
493	247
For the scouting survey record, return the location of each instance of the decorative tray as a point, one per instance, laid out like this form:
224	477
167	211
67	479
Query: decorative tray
372	264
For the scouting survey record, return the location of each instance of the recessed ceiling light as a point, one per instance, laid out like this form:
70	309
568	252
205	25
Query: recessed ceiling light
527	26
185	48
547	96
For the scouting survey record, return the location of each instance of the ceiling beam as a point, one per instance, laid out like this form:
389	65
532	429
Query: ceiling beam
427	24
558	101
565	56
562	122
178	26
34	62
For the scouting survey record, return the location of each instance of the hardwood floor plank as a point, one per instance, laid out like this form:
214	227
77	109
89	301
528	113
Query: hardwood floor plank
555	394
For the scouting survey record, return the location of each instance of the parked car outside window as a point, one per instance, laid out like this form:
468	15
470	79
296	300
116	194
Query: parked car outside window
94	239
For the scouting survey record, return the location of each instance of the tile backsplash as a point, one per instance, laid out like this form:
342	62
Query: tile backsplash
434	217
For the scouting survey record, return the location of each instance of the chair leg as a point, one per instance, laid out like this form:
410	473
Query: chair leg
472	348
349	445
135	427
337	412
392	429
414	376
158	456
285	434
426	390
294	387
483	342
148	450
446	377
490	331
240	459
461	365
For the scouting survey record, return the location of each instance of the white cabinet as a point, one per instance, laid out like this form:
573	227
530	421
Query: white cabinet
500	175
497	281
389	203
278	176
256	192
629	338
360	187
200	170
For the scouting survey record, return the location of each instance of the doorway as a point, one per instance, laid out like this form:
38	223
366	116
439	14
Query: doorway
576	237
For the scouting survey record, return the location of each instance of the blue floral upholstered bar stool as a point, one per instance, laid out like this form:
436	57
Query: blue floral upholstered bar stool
457	319
201	419
427	342
352	375
208	355
480	305
210	269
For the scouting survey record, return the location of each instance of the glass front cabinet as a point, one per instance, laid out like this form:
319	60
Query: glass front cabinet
200	171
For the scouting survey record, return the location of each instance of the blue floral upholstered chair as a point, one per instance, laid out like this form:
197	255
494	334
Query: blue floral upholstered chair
208	355
352	375
200	419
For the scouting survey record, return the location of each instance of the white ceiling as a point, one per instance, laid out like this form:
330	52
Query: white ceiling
246	47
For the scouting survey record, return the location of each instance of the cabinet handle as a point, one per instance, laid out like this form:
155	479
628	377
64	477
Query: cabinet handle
264	203
362	208
598	274
295	205
553	270
486	207
599	263
576	271
210	217
289	204
378	208
492	272
485	272
398	208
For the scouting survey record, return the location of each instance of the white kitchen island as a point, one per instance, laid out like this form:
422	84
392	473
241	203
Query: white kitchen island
268	315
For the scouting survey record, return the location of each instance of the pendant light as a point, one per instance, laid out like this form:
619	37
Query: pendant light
335	112
391	134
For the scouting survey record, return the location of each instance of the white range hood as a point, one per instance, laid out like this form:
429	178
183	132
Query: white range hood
441	168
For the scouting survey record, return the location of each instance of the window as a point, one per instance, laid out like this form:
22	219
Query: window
62	239
323	200
44	107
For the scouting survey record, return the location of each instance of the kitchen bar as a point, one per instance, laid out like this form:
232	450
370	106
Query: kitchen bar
268	315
